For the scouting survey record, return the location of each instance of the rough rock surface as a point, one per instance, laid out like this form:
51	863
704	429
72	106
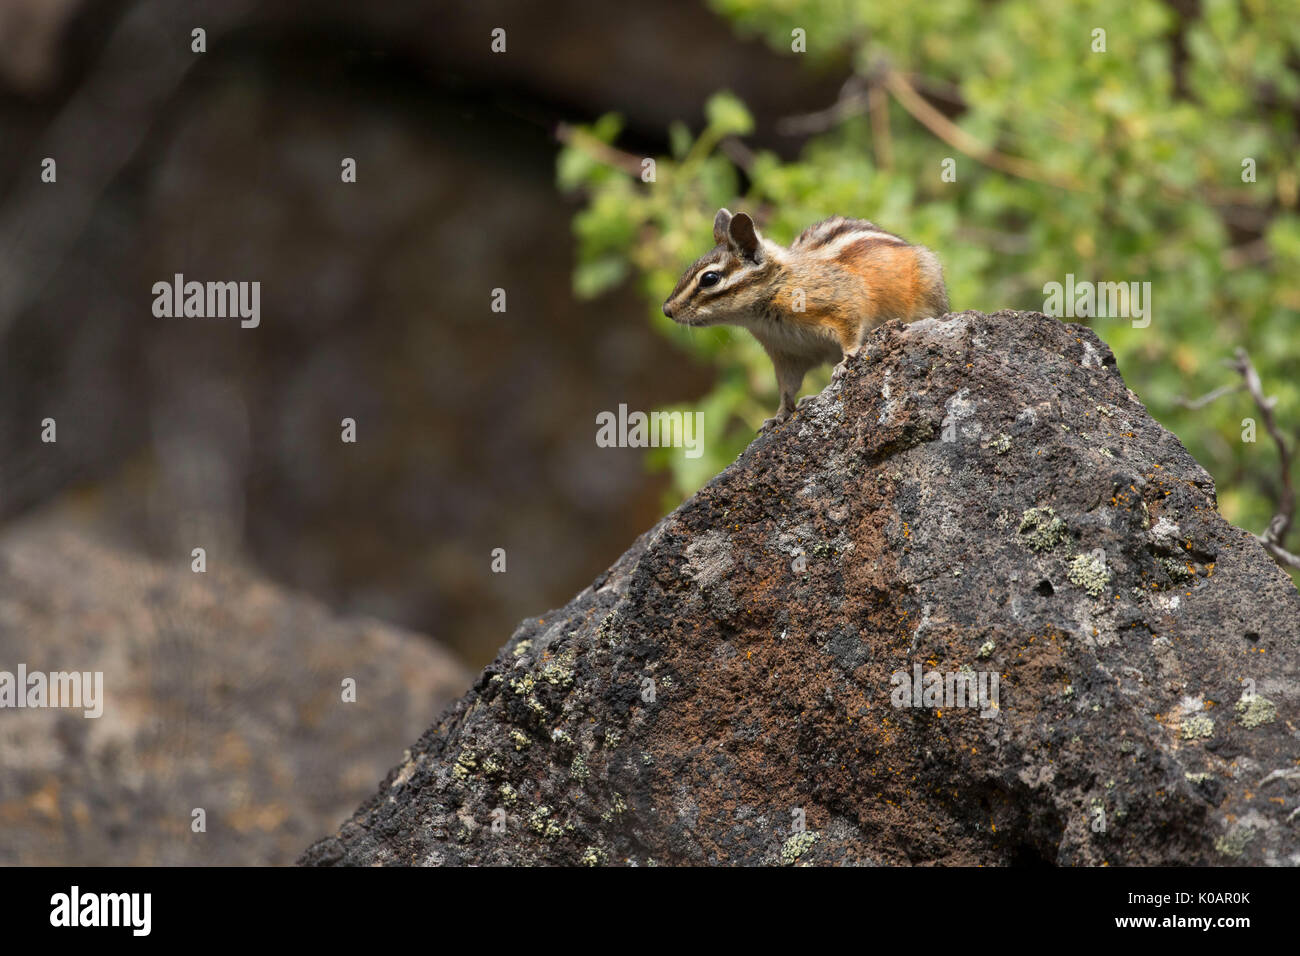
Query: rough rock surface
982	493
220	692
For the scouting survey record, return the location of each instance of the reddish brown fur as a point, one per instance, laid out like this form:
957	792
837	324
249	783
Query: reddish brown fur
848	285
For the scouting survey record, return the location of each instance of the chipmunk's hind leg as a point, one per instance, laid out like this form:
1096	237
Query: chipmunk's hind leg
849	347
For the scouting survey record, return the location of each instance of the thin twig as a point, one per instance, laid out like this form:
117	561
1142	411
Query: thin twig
1279	553
597	150
1195	403
851	101
1275	534
959	139
736	151
1277	529
882	142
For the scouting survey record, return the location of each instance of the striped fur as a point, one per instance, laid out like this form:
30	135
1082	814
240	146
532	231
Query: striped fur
813	302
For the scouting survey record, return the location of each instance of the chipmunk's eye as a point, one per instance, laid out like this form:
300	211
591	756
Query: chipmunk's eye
710	278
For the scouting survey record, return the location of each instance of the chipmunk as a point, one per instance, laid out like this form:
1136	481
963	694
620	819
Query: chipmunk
813	302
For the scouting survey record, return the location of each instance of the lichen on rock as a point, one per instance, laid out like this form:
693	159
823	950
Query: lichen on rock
702	689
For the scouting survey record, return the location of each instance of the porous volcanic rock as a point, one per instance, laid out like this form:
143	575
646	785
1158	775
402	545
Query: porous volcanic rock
979	494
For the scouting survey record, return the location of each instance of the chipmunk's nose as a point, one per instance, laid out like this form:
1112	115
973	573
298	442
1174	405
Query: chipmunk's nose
667	311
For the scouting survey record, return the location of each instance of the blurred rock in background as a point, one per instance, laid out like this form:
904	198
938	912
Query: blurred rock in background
221	693
475	429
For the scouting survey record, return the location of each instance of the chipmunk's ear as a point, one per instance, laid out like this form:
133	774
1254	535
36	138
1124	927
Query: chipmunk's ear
720	223
743	237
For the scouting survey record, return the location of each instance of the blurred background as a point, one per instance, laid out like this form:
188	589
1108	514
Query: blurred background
1162	150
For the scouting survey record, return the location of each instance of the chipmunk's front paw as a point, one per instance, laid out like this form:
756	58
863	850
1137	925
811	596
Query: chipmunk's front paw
777	419
839	371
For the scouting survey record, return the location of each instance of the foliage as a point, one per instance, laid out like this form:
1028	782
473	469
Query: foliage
1115	166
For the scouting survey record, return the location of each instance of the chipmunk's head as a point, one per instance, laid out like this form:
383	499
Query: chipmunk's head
729	283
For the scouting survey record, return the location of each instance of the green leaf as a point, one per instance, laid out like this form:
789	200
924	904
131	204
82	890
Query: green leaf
727	115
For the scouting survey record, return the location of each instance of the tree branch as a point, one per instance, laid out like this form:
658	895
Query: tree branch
1277	528
853	100
1195	403
959	139
597	150
1274	535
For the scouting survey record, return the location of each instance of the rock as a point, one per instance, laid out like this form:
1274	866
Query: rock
980	495
220	692
185	421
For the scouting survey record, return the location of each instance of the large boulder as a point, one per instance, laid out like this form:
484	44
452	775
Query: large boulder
979	496
221	693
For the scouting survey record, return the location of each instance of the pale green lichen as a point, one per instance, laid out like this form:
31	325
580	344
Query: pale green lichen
986	650
557	674
521	739
1235	842
578	768
1176	569
1197	778
797	846
1195	728
1090	573
606	630
1255	711
465	765
522	648
1041	529
523	686
537	819
617	808
508	794
593	856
